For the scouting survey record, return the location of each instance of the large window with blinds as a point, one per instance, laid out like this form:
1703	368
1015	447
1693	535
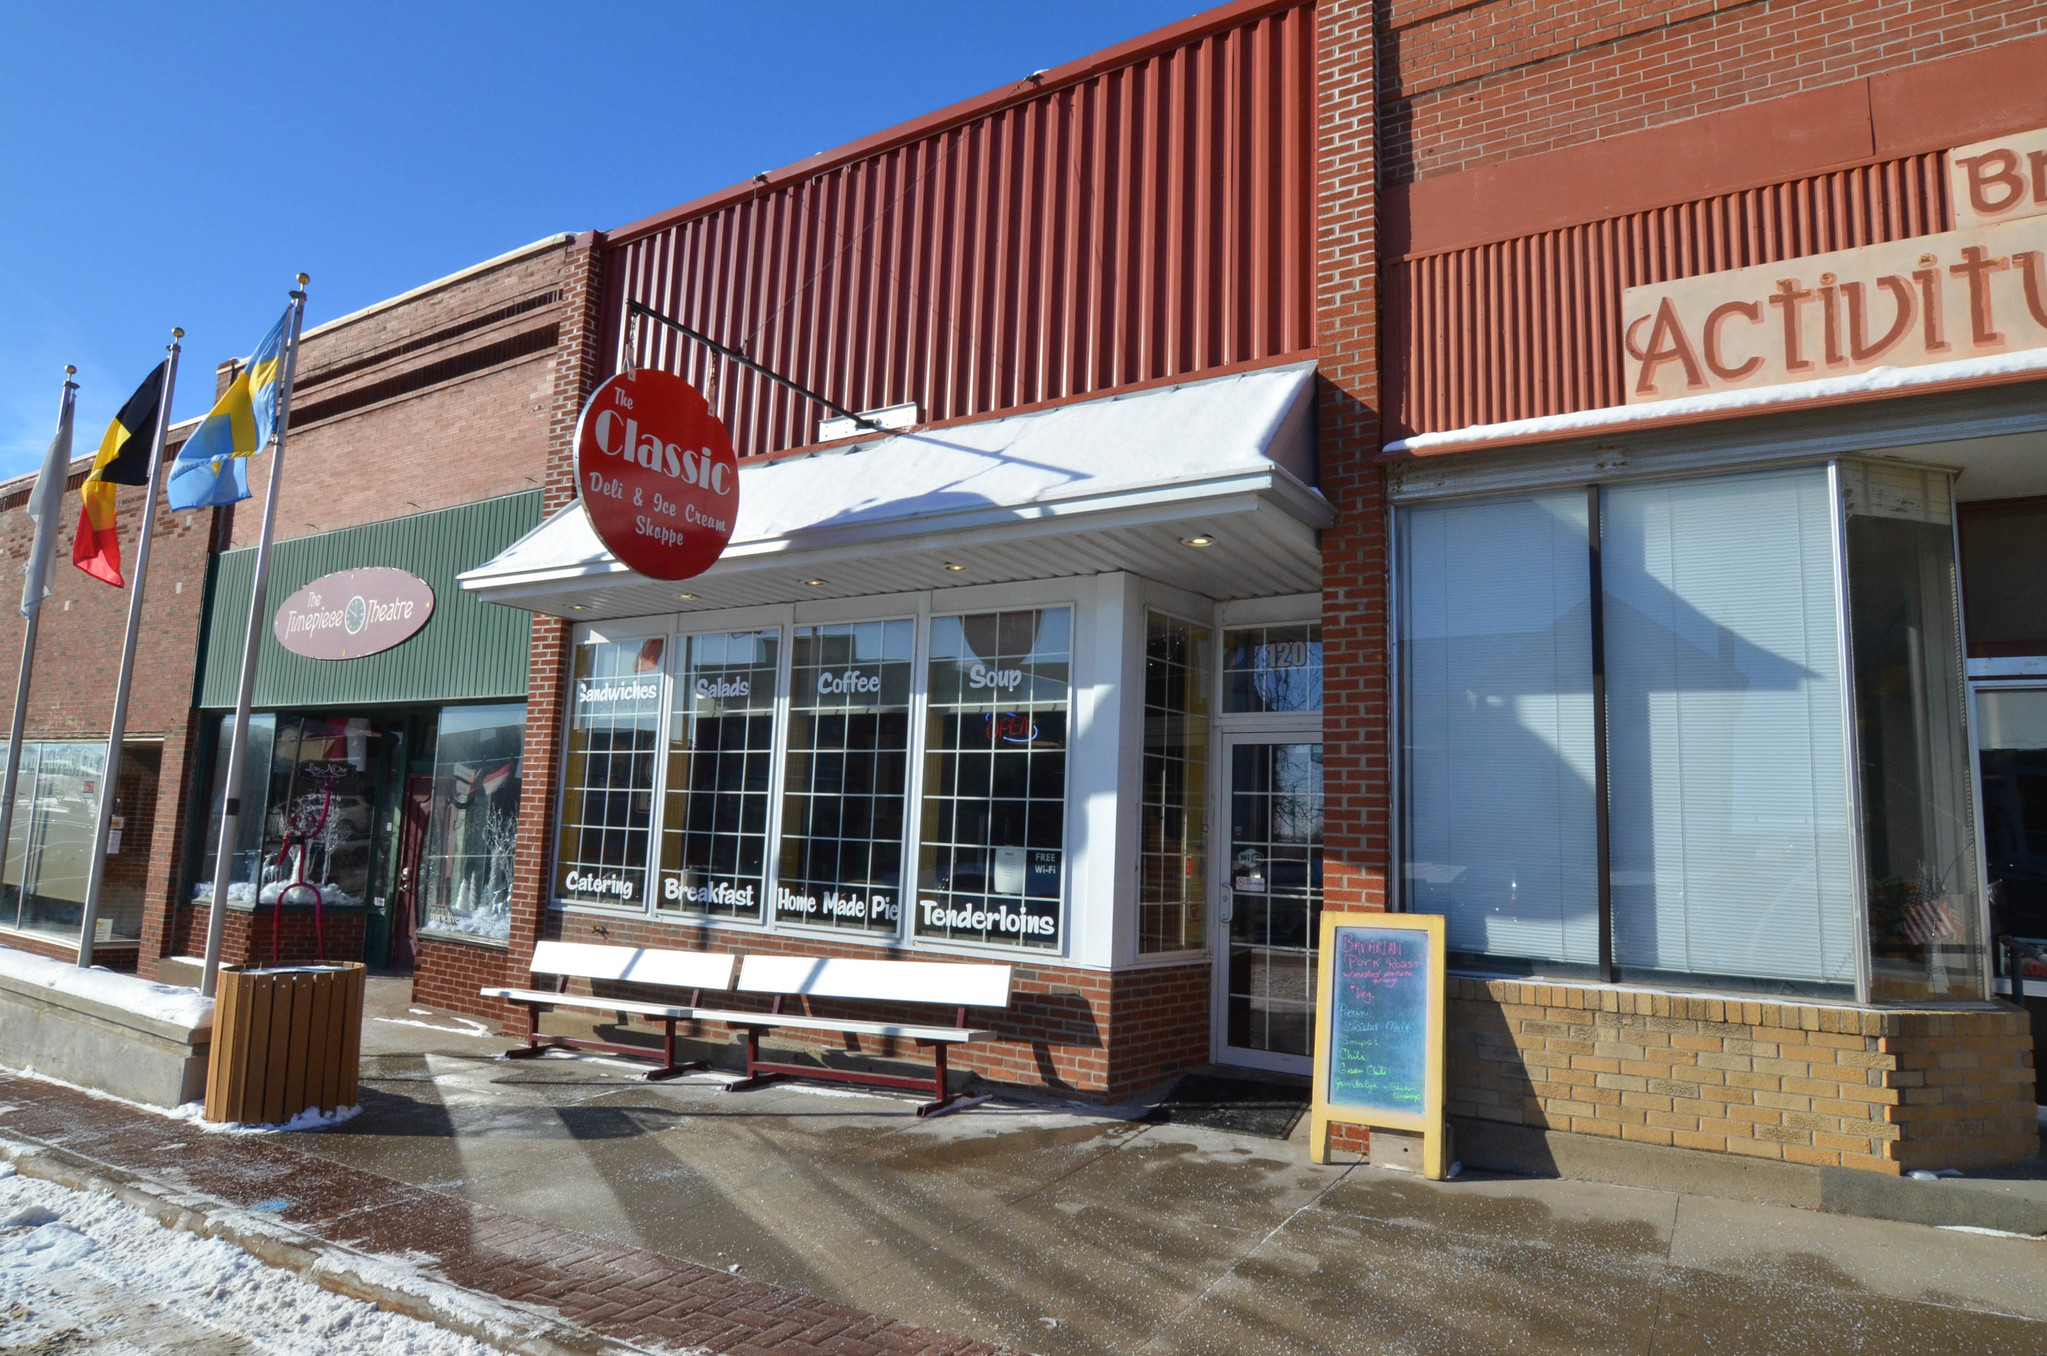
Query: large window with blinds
1626	737
1501	827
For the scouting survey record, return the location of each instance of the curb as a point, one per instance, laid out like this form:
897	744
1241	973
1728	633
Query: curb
524	1329
2010	1204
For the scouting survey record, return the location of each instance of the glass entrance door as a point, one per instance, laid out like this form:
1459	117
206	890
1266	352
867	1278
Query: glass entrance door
2011	734
1270	898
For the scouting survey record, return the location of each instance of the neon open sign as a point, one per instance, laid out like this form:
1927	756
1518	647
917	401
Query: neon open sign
1012	727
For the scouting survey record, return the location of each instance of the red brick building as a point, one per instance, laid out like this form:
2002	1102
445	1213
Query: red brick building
386	764
71	702
1722	889
379	747
1711	711
1560	469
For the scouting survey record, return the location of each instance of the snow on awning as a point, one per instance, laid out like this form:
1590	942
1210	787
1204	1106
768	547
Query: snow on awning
1875	384
1118	483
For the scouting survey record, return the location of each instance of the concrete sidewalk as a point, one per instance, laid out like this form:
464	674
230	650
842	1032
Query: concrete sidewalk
756	1221
518	1283
1063	1229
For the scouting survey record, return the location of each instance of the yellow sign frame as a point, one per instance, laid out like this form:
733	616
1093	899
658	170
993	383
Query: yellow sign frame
1429	1123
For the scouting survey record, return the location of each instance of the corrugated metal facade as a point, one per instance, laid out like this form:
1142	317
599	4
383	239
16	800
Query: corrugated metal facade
1528	327
468	650
1145	221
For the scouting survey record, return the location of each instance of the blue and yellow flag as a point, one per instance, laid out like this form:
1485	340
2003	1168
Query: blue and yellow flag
212	467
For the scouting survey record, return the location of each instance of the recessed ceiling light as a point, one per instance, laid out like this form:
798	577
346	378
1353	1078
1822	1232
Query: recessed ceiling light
575	607
815	583
1197	541
687	597
955	568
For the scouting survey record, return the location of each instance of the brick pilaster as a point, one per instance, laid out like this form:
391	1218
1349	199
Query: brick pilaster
1355	762
580	359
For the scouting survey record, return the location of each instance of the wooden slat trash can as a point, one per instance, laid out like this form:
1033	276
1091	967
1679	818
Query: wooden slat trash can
286	1039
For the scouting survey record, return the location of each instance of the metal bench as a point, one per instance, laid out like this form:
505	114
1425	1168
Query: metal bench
954	985
692	970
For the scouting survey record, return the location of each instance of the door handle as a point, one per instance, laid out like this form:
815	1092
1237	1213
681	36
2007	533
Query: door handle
1225	903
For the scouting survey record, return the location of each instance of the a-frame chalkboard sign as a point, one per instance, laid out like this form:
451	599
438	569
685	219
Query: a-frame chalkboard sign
1379	1029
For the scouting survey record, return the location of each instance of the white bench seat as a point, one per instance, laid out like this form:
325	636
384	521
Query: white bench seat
569	1000
695	971
955	985
951	1034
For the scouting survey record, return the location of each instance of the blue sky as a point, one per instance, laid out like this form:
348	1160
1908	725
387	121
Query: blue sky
175	164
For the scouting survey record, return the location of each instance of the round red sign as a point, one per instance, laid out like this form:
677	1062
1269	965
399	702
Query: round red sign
657	474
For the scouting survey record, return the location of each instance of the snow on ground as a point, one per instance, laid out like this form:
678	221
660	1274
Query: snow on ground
194	1113
80	1272
165	1002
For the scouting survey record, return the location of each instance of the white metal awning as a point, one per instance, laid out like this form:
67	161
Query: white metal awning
1113	484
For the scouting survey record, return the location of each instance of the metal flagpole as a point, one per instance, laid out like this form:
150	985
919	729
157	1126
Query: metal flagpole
96	871
238	747
31	609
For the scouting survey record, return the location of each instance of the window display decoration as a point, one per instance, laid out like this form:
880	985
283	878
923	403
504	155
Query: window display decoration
473	822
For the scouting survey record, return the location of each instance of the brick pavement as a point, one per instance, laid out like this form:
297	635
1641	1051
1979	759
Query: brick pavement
624	1293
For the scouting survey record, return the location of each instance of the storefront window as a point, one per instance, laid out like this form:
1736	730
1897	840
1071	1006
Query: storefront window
1731	853
473	825
307	803
1173	846
248	844
1272	668
322	798
1497	726
846	779
714	835
1918	827
608	781
992	861
50	840
1708	609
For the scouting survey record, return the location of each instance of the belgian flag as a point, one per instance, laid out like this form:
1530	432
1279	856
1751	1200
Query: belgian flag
123	460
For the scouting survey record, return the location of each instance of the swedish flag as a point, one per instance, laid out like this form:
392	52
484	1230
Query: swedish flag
212	467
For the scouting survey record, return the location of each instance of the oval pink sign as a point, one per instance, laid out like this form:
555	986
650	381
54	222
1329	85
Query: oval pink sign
352	613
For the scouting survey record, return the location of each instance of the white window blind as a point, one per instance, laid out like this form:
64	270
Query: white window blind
1498	737
1730	847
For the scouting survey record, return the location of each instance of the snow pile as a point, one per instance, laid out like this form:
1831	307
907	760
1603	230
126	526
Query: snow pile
1876	381
241	892
83	1270
129	993
312	1118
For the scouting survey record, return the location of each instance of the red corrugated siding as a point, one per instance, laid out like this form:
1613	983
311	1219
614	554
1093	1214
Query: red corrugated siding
1147	221
1526	327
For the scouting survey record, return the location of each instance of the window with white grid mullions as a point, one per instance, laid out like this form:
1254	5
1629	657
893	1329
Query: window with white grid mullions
1272	668
721	739
1172	885
847	778
608	784
991	865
